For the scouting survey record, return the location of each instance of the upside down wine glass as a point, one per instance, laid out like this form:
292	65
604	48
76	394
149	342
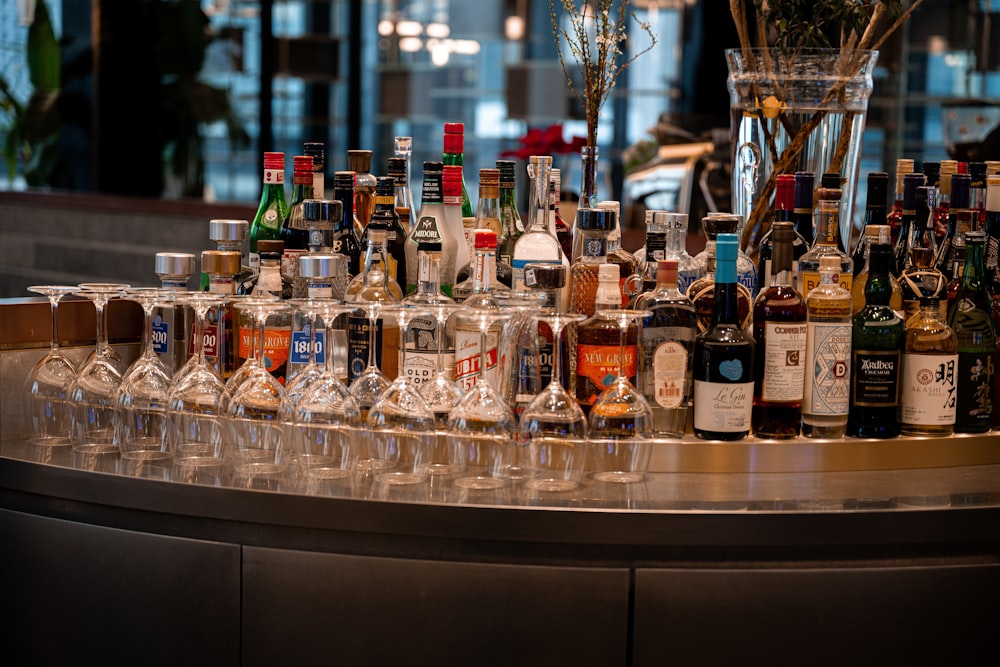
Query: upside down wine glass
441	393
368	386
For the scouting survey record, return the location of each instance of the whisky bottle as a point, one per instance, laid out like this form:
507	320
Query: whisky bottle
779	324
930	362
904	167
872	234
971	319
510	217
667	341
537	244
877	337
345	237
702	291
827	243
724	357
666	236
598	342
908	213
826	395
784	200
294	230
360	162
272	208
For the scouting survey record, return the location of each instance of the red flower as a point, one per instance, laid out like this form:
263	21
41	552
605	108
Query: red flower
545	142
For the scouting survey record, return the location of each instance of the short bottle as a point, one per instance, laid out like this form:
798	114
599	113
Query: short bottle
667	340
273	206
598	341
593	226
877	337
826	394
220	335
270	280
779	325
930	361
423	351
376	257
172	324
319	273
724	357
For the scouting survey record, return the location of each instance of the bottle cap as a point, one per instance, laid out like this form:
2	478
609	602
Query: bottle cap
374	277
270	245
322	266
228	230
507	169
880	258
608	272
910	184
878	189
714	225
960	184
977	170
174	264
784	232
830	180
402	145
992	167
486	238
784	192
829	194
317	151
396	166
904	166
343	179
829	263
274	160
359	161
666	271
804	181
454	128
544	275
322	210
948	167
226	262
540	160
668	219
993	193
454	143
433	166
726	247
385	186
595	219
487	175
931	301
302	170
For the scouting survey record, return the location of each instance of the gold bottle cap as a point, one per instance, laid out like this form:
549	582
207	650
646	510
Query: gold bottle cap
226	262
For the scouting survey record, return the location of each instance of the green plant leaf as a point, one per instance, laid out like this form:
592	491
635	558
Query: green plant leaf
43	51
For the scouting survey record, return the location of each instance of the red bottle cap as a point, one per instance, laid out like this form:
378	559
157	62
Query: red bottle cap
454	143
454	128
784	194
486	238
302	170
273	160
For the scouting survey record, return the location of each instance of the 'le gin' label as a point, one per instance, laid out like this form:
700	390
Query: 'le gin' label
723	407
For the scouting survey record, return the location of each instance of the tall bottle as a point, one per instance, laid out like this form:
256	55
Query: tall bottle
294	230
904	167
360	162
826	395
802	214
971	318
510	217
784	205
397	170
598	342
430	227
702	291
875	214
920	279
395	237
376	258
536	244
666	235
171	323
345	238
877	336
930	361
958	221
317	151
667	340
827	243
779	324
724	357
991	226
559	227
977	192
467	335
454	155
908	212
402	147
948	168
873	234
422	349
488	206
273	206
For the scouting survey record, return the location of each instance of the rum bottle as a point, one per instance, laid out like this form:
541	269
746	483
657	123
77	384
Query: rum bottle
779	324
826	395
930	363
598	340
724	357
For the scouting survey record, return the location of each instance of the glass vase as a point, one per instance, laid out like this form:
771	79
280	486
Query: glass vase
801	111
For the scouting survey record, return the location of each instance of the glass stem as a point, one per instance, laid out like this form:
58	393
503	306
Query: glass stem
54	343
372	323
200	314
622	328
439	362
402	346
102	327
147	331
557	354
313	323
261	327
483	329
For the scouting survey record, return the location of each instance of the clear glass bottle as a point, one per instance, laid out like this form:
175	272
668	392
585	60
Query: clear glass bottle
422	350
345	237
273	206
930	360
294	230
873	234
702	291
360	162
629	278
220	335
666	236
827	243
510	216
467	335
920	279
970	316
171	325
592	228
667	341
376	258
724	356
386	331
398	172
779	324
488	207
877	336
826	394
536	244
319	273
395	237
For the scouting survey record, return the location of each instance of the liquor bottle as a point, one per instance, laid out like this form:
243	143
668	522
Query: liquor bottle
825	400
172	324
592	228
784	205
294	231
278	328
628	266
908	212
229	235
345	238
451	188
272	208
270	280
802	214
977	193
873	234
598	342
397	170
877	336
948	168
894	219
402	147
827	243
991	226
376	258
467	335
666	235
430	226
395	237
360	162
536	244
920	279
422	350
875	214
702	291
970	316
222	267
930	362
959	220
559	227
724	357
779	325
317	151
386	332
488	206
321	217
510	217
318	272
667	340
454	155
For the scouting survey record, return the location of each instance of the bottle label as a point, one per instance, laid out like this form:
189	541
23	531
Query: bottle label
320	290
272	176
656	247
277	349
518	273
809	280
468	358
299	350
670	363
929	393
723	407
358	340
784	361
685	279
161	334
597	368
875	377
975	384
210	341
828	353
426	230
290	261
422	352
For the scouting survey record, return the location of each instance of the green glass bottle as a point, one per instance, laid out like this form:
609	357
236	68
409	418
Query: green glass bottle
273	207
877	337
454	153
510	217
970	316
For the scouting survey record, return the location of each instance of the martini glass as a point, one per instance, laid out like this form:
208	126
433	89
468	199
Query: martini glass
482	424
367	387
553	424
325	425
47	405
254	427
194	416
621	421
441	393
94	391
400	423
141	404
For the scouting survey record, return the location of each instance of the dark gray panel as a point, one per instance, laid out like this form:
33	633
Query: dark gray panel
311	608
77	594
944	615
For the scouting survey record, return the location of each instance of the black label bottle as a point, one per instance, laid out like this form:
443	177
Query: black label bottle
724	357
345	239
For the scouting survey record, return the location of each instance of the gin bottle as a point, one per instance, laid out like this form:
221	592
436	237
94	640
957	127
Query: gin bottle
825	401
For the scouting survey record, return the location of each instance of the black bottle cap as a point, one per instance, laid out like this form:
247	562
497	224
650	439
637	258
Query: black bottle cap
322	210
433	166
396	165
720	224
544	275
911	182
804	181
880	258
595	219
960	184
385	186
830	180
878	188
977	170
932	170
